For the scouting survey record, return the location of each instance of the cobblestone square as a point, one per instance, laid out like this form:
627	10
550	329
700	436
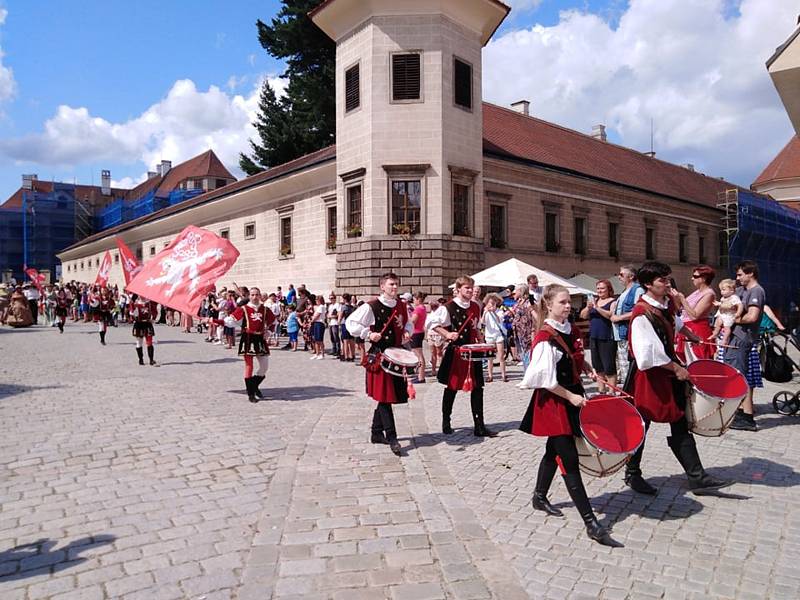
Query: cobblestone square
125	481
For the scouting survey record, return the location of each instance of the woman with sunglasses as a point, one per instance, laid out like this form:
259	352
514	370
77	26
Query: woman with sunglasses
696	308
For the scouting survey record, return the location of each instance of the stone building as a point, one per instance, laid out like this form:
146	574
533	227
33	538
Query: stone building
428	180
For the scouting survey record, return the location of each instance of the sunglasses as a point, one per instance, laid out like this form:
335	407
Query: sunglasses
695	276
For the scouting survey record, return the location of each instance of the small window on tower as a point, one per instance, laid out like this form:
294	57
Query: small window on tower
152	250
462	75
249	231
352	93
406	77
225	234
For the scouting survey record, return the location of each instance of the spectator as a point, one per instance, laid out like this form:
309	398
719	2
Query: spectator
292	327
622	316
419	316
291	295
534	289
494	333
318	319
696	309
602	345
32	296
524	322
348	345
333	324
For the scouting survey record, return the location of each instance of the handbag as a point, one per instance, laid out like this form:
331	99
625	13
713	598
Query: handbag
777	366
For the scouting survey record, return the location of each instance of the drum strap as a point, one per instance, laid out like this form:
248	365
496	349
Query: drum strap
563	345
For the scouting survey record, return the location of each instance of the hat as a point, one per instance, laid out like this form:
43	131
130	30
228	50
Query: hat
407	296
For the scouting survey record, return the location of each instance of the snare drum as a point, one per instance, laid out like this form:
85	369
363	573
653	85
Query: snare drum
477	352
612	431
399	362
717	392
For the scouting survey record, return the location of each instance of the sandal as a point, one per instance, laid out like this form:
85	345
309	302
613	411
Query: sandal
489	379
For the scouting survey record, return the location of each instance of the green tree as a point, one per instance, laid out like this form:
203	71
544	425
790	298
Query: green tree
304	119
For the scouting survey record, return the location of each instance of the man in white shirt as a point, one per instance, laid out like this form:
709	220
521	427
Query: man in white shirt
32	295
658	381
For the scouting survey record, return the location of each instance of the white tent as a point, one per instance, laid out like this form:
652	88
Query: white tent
514	272
583	280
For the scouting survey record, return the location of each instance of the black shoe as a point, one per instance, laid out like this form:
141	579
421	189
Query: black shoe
540	502
378	438
744	422
482	431
601	535
446	429
257	379
639	484
394	446
251	393
708	485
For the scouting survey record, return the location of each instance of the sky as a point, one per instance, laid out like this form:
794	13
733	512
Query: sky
121	85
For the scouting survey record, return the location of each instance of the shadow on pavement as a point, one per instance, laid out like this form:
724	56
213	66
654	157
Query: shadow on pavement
671	503
282	394
8	390
759	471
29	559
216	361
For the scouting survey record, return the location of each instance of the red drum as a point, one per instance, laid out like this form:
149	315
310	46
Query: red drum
612	430
477	352
399	362
717	392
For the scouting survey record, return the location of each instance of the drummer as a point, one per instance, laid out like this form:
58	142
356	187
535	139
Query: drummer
384	322
657	381
554	373
458	321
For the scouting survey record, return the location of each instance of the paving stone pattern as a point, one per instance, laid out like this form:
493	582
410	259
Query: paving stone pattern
123	481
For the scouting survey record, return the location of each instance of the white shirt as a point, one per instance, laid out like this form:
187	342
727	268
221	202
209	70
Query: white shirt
362	318
333	306
31	293
541	372
646	345
493	324
441	318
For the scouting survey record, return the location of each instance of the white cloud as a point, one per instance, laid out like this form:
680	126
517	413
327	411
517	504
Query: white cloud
694	68
186	122
518	6
8	86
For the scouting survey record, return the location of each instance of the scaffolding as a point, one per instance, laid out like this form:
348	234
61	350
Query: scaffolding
760	229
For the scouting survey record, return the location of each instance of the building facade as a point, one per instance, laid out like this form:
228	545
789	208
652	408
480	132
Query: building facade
431	182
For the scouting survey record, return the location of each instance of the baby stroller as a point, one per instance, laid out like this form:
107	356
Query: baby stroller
779	367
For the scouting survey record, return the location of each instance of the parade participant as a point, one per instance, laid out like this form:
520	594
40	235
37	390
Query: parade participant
61	308
101	305
143	312
256	321
458	322
658	382
554	374
384	322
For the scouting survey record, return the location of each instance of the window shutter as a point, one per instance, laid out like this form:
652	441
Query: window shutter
463	84
406	77
352	96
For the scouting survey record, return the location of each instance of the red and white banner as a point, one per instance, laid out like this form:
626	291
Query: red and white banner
36	277
130	266
105	270
183	273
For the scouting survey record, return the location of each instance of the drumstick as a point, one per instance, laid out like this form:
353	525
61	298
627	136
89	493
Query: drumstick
613	387
709	376
713	344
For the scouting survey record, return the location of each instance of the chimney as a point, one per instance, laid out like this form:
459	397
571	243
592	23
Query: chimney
651	154
599	132
166	165
689	166
151	174
105	182
522	106
27	181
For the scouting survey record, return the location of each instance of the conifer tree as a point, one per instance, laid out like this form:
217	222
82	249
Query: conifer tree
304	119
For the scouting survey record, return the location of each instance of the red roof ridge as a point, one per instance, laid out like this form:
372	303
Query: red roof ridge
785	165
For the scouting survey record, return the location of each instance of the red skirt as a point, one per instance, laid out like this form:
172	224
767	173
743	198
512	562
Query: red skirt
654	395
702	330
550	415
386	388
453	370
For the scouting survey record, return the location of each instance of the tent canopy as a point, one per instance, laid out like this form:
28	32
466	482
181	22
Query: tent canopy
583	280
514	272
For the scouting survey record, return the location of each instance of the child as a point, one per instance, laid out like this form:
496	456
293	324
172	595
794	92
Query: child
494	332
292	327
318	322
730	308
554	374
348	344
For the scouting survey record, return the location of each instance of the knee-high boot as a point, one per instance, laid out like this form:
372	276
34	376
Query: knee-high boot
594	530
448	398
476	403
103	338
547	470
140	353
251	394
377	427
633	471
257	379
700	482
387	421
60	327
151	354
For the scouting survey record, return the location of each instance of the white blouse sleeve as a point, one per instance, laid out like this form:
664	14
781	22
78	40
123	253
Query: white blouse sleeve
359	321
439	318
541	372
647	348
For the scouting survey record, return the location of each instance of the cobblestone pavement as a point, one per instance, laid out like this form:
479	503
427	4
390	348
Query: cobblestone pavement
122	481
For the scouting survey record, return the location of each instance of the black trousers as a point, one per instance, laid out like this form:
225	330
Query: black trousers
383	421
475	400
34	306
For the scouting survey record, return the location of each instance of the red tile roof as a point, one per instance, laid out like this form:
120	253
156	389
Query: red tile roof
298	164
203	165
507	133
784	166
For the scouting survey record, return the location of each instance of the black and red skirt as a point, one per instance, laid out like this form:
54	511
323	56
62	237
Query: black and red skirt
252	344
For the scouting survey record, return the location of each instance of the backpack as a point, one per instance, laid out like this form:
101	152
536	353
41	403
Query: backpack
777	366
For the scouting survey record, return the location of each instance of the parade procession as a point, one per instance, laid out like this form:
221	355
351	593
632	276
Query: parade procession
343	346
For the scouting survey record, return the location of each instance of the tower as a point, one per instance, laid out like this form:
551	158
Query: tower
409	134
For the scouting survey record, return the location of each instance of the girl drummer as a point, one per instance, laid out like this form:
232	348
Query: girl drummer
556	361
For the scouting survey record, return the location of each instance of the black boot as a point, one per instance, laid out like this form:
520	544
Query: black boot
60	327
387	423
257	379
547	470
476	403
377	436
140	353
448	398
103	338
594	530
251	393
700	482
633	475
150	354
